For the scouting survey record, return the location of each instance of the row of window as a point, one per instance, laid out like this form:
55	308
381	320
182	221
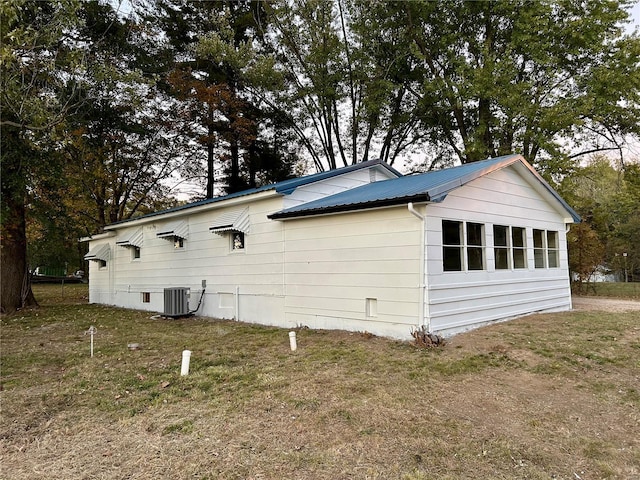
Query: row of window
237	243
464	247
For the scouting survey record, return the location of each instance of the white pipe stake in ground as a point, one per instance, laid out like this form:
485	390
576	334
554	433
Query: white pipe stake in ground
292	341
92	331
186	358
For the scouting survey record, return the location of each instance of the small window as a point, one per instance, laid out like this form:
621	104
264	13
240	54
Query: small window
146	297
178	243
501	247
237	241
452	246
102	264
519	243
135	253
475	246
538	248
553	250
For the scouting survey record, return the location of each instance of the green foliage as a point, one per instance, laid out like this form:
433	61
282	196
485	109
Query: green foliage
608	199
498	77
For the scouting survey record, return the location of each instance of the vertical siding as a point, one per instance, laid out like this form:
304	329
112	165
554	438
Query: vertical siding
459	300
334	263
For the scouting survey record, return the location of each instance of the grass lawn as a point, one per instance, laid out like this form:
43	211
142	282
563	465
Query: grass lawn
541	397
629	290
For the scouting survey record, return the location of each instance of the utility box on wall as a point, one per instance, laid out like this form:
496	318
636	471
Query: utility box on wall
176	302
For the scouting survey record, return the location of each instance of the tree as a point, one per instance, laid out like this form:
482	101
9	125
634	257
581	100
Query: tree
586	253
607	196
218	60
345	92
39	61
551	80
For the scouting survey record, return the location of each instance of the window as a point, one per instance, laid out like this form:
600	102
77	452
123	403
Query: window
546	249
178	243
453	247
553	250
519	245
102	264
501	247
237	241
135	253
475	246
146	297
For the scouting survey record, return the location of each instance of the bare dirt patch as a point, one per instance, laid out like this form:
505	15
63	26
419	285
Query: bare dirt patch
604	304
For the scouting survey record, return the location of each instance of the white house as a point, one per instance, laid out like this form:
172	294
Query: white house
361	248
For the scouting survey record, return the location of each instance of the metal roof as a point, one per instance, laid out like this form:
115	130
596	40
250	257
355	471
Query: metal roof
285	187
427	187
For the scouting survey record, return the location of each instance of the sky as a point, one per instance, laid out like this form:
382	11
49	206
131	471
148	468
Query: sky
635	17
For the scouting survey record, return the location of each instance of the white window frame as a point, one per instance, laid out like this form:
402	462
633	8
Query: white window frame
464	247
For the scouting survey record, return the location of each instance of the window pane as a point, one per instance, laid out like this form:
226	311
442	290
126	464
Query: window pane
519	258
500	235
474	234
452	261
451	233
502	258
238	241
552	245
537	238
474	258
538	254
517	237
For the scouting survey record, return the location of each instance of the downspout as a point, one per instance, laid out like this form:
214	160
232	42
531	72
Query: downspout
426	322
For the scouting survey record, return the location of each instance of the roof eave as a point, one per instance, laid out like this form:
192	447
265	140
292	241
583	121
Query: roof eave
389	202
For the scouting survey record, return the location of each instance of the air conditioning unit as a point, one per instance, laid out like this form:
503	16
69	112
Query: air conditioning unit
176	302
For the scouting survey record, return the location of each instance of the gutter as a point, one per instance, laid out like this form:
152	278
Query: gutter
424	321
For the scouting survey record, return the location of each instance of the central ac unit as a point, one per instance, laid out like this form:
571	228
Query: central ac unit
176	302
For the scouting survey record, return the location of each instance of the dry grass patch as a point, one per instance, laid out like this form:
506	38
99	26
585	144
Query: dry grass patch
546	396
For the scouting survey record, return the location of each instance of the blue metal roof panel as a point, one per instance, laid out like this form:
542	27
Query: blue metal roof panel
431	186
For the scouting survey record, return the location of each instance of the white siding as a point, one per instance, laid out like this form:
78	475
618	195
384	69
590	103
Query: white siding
334	263
255	272
333	185
461	300
101	279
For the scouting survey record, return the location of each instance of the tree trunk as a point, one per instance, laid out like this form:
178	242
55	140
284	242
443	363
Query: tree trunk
210	165
16	282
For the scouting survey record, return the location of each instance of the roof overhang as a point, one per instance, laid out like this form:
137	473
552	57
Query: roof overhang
204	206
389	202
97	236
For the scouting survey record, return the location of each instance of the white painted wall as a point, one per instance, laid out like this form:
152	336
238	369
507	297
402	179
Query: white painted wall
334	263
255	274
460	300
